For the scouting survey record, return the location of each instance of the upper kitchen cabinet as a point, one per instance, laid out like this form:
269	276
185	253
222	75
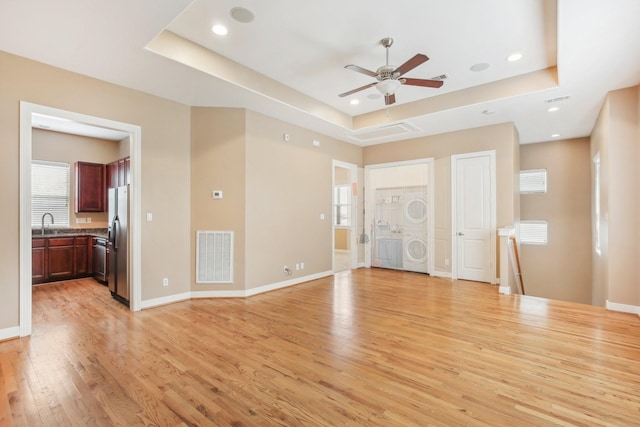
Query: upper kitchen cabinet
90	187
118	173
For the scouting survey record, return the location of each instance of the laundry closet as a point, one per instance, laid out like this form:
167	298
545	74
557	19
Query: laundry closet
399	212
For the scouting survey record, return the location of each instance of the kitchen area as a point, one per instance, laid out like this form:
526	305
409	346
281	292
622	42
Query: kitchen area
80	210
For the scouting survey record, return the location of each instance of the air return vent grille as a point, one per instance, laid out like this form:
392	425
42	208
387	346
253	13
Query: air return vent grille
214	257
393	130
558	99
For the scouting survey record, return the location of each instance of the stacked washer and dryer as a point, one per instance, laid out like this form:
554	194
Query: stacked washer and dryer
415	249
401	232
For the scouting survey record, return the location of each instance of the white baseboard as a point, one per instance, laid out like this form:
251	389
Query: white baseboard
504	290
9	333
444	274
164	300
624	308
260	289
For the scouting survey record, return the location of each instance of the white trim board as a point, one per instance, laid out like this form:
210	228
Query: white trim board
624	308
27	110
9	333
231	293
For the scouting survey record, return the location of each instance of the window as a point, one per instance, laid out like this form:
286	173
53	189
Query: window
342	204
533	232
533	181
49	192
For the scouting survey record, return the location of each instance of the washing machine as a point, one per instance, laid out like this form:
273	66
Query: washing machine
415	252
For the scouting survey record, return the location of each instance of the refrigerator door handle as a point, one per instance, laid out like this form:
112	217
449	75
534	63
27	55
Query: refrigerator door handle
116	226
111	232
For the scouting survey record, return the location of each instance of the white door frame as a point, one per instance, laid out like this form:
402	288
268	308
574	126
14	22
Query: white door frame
135	133
369	202
353	247
454	212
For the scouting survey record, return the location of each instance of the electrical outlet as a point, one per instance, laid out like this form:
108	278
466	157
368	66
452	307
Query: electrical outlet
88	220
446	261
302	266
165	281
297	266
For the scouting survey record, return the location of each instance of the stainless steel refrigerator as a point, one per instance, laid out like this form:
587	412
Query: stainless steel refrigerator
118	236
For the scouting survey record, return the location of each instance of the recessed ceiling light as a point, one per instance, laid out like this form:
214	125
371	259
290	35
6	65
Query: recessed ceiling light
241	14
553	109
479	67
354	102
488	111
555	135
220	30
514	57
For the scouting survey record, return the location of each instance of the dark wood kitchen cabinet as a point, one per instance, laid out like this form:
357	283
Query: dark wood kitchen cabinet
90	187
38	260
119	172
61	255
61	258
83	249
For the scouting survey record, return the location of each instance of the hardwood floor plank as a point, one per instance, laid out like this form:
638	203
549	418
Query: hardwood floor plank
366	347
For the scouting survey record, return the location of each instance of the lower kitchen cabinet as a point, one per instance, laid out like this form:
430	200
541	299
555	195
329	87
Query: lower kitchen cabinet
38	260
60	258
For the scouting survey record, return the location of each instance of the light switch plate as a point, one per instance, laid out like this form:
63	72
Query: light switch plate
217	194
149	216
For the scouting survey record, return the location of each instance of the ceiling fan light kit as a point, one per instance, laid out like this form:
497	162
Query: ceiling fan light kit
388	75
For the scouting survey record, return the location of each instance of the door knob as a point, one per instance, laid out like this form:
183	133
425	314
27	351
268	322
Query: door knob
460	234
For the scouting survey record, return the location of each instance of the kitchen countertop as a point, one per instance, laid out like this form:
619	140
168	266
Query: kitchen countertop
69	232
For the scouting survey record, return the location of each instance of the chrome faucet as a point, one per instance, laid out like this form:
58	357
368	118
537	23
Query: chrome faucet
43	215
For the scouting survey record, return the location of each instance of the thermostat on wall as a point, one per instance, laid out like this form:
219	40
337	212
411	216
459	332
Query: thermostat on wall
217	194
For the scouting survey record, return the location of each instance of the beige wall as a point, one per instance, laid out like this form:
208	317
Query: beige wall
502	138
560	269
341	239
218	162
288	186
274	192
67	148
616	138
165	169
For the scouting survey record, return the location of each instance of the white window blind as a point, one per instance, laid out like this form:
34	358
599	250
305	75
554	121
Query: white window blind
533	232
533	181
49	192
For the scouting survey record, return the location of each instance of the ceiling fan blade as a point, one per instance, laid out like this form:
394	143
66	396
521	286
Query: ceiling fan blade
389	99
411	64
342	95
360	70
422	82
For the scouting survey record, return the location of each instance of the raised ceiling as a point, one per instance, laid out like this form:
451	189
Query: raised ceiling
289	61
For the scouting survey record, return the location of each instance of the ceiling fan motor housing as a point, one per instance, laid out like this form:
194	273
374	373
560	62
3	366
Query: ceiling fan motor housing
386	72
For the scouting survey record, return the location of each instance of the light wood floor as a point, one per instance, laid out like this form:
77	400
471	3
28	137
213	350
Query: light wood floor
369	347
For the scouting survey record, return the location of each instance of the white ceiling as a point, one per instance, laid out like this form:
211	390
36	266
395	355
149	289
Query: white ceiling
289	62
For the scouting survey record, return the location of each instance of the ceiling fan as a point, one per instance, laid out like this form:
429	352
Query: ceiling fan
388	75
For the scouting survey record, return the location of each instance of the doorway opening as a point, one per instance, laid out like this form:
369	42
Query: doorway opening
345	205
399	215
28	114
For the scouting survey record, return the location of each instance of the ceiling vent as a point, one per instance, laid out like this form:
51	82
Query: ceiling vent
558	99
397	129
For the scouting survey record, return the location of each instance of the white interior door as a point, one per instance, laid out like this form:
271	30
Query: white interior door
473	216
